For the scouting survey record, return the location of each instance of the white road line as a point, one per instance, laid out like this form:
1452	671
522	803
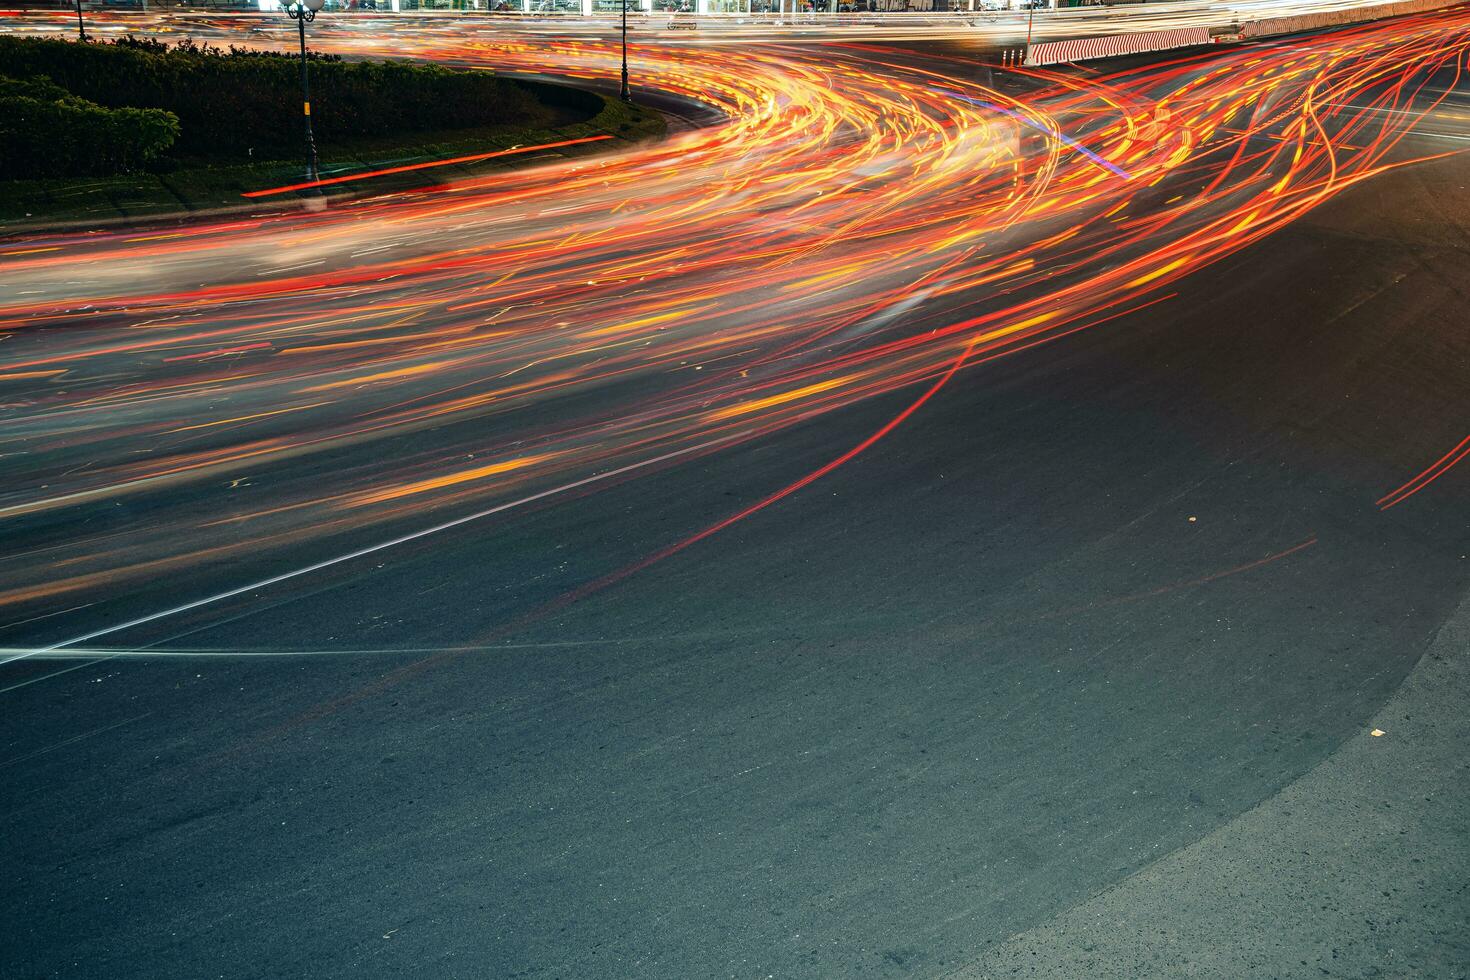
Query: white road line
370	549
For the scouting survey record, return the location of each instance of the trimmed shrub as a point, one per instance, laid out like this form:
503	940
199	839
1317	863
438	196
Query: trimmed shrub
35	87
230	101
47	132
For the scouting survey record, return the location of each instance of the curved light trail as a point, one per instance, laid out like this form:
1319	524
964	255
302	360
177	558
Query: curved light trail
243	396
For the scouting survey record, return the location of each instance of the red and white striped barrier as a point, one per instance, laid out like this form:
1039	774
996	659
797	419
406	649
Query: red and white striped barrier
1083	48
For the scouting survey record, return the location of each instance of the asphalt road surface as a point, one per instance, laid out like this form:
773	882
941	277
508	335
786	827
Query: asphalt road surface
995	565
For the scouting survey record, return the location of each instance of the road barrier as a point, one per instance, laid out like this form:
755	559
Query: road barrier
1084	48
1111	46
1269	26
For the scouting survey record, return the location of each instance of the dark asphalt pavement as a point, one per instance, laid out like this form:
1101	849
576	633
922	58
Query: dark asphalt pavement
1095	603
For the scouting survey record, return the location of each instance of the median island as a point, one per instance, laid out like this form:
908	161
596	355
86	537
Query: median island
131	128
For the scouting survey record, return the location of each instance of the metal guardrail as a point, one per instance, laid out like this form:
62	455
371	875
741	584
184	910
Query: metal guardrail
1111	46
1270	26
773	13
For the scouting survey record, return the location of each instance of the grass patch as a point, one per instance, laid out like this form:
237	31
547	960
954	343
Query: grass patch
199	187
363	112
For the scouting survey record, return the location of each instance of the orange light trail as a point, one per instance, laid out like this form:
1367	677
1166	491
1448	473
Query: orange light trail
862	223
429	165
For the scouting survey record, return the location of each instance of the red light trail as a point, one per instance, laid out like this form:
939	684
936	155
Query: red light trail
861	224
1436	470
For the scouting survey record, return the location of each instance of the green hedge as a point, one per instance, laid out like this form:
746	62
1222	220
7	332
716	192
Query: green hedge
228	102
47	132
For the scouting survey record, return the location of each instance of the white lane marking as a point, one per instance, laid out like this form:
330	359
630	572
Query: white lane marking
73	740
370	549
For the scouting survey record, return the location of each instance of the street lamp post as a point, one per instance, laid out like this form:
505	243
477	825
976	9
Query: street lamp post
81	27
303	12
624	93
